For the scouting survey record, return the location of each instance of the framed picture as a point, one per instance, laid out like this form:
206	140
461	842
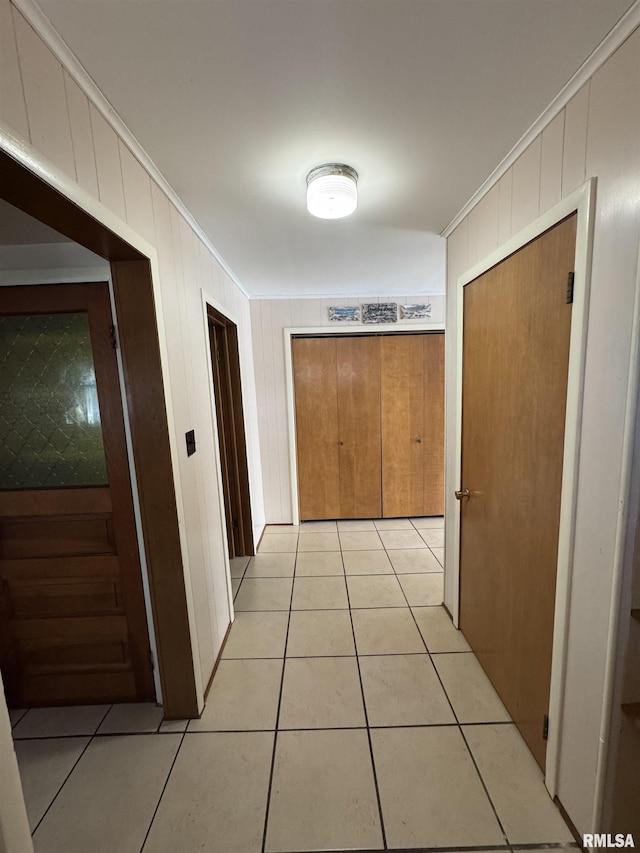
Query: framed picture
415	312
346	314
380	312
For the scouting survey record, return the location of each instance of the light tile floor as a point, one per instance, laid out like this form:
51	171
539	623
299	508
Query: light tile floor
346	714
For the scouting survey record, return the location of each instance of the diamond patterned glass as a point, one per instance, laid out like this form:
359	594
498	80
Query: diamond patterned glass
50	432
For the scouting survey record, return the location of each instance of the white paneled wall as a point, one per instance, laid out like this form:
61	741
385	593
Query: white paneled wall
597	134
43	104
269	319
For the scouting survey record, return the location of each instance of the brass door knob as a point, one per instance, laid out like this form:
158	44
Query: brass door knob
462	494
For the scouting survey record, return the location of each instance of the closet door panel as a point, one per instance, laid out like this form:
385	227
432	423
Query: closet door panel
433	424
316	407
358	367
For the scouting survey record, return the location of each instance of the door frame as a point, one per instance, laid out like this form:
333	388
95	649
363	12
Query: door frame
42	190
324	331
582	202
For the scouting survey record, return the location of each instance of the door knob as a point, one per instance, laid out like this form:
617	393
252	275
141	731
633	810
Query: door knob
462	494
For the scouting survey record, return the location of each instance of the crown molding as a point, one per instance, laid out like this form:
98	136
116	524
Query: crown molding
607	47
61	50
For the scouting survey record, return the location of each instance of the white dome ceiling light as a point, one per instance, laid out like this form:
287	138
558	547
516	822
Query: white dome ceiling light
332	191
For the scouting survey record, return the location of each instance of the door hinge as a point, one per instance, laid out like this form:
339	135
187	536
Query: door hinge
545	728
570	280
114	336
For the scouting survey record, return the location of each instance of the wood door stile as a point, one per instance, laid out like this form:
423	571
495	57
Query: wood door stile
73	618
358	397
316	408
413	425
517	327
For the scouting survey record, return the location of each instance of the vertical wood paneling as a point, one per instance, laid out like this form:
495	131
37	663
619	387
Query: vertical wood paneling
43	82
137	195
487	223
12	104
551	163
526	187
575	141
81	136
108	164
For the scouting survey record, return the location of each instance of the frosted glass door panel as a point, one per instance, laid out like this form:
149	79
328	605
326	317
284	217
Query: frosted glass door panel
50	431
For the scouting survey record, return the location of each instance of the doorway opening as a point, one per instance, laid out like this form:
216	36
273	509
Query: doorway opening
227	387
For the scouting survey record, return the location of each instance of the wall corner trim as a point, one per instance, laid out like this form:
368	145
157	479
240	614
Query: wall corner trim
60	49
607	47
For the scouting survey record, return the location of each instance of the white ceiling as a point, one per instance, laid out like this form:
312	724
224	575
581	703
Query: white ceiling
236	100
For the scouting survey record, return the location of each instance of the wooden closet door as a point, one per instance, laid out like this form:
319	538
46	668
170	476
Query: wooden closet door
358	363
316	405
412	417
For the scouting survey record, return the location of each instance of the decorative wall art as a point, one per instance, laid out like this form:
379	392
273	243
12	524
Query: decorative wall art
415	312
380	312
340	314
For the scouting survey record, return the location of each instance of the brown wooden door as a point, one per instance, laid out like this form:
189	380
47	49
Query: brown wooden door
315	376
516	348
358	395
413	425
73	627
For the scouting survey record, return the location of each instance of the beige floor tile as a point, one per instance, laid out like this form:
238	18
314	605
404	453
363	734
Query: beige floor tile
318	542
277	542
393	524
423	590
172	727
367	563
282	528
516	785
367	540
321	693
430	791
313	633
375	591
256	634
264	594
235	586
216	797
237	566
393	539
434	537
318	527
323	794
15	715
108	801
356	524
319	563
319	594
387	631
244	696
469	690
277	565
44	765
438	553
437	629
428	521
413	561
61	722
403	690
132	718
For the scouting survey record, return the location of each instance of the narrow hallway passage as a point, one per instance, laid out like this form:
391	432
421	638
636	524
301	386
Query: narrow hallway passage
346	710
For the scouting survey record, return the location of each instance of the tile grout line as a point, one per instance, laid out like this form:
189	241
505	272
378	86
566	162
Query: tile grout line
164	788
275	733
366	714
75	764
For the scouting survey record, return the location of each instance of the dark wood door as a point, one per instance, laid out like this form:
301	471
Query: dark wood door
515	359
413	425
73	627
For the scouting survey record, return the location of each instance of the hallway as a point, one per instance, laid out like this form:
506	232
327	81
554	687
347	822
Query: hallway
388	734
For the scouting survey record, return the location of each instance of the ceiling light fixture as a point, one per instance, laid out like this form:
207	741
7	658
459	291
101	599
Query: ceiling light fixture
332	191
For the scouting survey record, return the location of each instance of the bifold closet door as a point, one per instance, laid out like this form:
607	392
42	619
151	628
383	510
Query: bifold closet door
358	364
315	378
412	418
